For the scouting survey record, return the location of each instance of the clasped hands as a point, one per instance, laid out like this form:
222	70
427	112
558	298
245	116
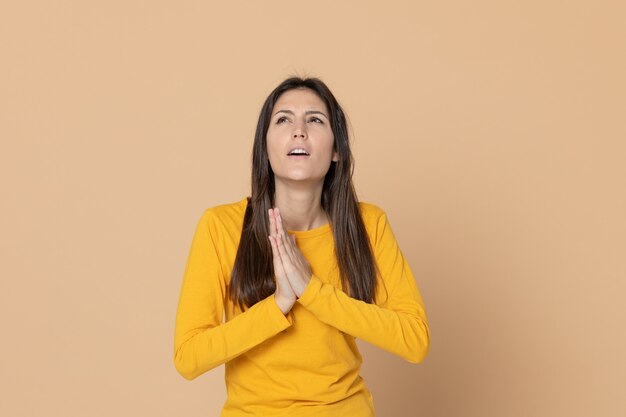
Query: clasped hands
291	268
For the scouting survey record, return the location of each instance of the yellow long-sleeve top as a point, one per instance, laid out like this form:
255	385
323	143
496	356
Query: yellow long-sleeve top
305	363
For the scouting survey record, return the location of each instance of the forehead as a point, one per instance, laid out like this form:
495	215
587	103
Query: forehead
300	98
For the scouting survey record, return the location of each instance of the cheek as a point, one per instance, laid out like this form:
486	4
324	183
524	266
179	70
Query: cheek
330	144
271	144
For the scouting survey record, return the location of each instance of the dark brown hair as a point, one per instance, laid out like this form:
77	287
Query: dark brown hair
252	277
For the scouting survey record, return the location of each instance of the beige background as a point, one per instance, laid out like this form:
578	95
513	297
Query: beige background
491	132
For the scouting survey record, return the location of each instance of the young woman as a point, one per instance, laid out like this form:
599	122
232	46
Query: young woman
277	286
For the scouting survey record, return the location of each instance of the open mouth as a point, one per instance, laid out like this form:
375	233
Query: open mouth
298	152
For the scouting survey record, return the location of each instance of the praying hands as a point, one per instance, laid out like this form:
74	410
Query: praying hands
291	268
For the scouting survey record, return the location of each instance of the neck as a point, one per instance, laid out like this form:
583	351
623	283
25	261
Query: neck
300	205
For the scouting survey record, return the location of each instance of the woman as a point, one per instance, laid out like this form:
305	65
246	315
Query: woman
299	269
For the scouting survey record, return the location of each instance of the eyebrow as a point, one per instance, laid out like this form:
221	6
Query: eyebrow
306	112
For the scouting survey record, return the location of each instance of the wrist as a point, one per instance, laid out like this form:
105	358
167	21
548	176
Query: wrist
301	287
283	304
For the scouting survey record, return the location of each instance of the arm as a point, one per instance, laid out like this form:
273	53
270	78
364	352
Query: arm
399	326
201	341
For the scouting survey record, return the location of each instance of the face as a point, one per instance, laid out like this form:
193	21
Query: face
299	138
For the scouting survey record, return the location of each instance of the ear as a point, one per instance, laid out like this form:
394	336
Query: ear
335	156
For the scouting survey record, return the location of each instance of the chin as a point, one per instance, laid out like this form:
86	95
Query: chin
300	177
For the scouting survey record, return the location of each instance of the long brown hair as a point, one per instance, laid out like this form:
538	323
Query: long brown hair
252	277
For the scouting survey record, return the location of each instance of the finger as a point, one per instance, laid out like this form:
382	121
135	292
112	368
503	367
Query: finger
270	212
279	270
287	266
291	246
283	285
278	221
297	270
281	252
286	238
296	255
285	256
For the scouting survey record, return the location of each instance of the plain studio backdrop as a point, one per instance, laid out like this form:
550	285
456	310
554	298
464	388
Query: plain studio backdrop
492	132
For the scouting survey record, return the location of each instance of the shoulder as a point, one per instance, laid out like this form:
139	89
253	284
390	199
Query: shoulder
371	213
236	209
228	215
374	219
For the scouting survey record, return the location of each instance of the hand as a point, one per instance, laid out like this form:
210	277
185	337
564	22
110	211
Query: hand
293	264
285	296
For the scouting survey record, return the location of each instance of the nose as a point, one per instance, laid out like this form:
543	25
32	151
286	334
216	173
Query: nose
299	131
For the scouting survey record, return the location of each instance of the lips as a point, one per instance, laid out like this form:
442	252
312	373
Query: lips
299	151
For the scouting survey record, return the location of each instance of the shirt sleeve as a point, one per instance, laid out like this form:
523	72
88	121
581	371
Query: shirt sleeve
398	325
201	340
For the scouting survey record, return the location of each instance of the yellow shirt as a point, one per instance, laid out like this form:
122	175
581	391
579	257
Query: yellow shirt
305	363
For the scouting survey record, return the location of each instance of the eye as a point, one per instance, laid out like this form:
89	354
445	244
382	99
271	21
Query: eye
281	119
316	120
